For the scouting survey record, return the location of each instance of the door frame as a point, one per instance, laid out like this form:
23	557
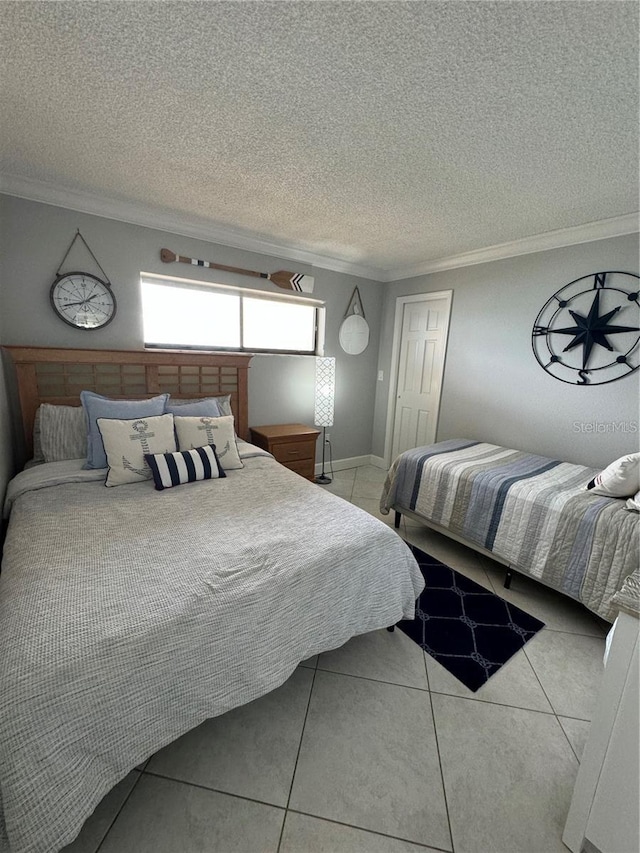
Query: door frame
401	301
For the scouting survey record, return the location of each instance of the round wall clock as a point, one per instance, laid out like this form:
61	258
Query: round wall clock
588	332
83	300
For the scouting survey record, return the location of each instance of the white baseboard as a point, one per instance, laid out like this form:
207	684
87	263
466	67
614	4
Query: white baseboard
343	464
379	462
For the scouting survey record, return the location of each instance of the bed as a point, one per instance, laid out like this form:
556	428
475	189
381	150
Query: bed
128	615
531	513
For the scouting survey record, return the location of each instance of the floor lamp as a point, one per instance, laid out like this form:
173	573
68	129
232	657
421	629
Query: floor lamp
325	392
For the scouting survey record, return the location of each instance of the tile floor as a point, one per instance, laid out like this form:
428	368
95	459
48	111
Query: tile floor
375	748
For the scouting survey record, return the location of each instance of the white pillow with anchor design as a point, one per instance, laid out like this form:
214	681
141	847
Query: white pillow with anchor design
126	442
197	432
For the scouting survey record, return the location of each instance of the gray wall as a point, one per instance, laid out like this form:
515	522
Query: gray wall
494	390
6	434
281	388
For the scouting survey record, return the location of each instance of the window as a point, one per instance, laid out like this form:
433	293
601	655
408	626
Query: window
179	313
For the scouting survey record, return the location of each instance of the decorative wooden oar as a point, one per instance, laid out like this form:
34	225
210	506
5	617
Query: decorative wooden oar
282	278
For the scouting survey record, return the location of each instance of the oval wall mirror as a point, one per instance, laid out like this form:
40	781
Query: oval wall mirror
354	334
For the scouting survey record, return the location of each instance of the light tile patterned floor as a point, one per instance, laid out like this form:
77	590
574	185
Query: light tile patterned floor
376	748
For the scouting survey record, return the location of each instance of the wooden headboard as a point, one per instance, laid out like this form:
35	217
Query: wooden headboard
59	375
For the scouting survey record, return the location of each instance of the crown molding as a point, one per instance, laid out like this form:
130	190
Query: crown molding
201	228
186	225
617	226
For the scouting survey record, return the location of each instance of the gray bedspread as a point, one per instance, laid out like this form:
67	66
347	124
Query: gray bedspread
128	616
532	512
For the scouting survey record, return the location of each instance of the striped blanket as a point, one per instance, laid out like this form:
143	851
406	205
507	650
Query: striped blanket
533	513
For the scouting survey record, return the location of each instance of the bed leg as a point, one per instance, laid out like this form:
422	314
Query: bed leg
391	628
396	521
507	579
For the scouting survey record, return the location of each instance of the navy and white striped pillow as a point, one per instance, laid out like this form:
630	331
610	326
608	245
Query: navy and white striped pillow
186	466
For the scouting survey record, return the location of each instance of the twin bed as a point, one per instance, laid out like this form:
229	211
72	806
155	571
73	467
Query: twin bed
129	615
533	514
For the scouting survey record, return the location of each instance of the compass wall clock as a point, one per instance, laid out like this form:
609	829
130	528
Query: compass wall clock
81	299
588	332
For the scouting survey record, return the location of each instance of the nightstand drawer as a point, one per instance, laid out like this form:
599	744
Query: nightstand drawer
292	451
306	468
293	445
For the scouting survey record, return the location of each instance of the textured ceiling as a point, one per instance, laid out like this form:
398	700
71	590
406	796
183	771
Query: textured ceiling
384	134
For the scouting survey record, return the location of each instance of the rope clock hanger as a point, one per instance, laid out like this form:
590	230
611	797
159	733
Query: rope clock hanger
286	280
354	329
81	299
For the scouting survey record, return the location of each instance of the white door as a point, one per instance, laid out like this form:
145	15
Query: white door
420	343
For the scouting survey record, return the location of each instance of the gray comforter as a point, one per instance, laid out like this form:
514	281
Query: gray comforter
128	616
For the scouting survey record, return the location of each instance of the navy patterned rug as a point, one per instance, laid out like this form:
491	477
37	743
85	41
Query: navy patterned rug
470	631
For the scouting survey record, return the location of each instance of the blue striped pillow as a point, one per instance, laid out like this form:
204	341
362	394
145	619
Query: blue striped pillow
186	466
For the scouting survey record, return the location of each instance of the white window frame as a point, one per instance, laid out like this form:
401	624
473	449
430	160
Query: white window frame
188	283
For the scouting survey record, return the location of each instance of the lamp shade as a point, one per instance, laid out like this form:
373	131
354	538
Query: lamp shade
325	391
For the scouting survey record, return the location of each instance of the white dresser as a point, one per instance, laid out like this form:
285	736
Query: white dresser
604	816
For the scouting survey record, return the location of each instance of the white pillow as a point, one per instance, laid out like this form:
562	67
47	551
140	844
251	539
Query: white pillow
634	503
621	479
126	442
196	432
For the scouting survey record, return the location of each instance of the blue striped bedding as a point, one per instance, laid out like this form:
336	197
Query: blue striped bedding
531	512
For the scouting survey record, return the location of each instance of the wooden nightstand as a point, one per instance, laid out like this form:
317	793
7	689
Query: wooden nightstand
293	445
